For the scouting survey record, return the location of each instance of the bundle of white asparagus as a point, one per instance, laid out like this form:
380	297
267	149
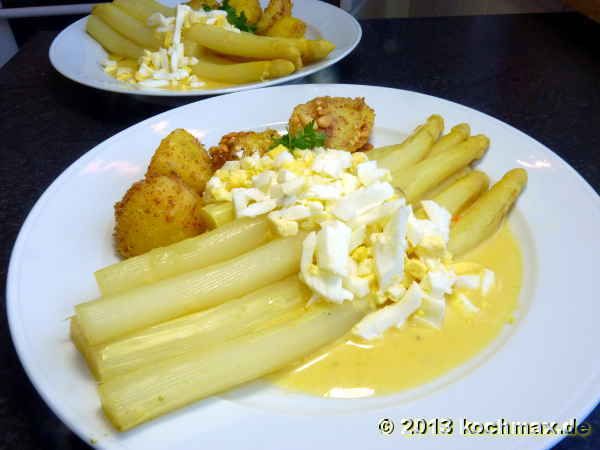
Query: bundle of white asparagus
184	322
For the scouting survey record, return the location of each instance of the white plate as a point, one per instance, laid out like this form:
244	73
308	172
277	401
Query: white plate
544	368
77	56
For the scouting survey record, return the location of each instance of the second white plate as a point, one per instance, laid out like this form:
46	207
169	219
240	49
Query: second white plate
77	56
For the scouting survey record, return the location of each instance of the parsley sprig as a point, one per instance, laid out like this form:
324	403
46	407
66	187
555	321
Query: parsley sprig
237	20
305	139
240	21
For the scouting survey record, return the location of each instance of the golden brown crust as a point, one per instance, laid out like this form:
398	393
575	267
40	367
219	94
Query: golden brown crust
288	27
347	122
180	154
275	10
155	212
250	8
241	143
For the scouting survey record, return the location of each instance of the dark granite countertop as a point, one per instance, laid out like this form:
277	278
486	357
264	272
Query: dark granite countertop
539	73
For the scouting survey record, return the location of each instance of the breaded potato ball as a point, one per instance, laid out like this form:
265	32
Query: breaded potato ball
347	122
275	10
250	8
180	154
241	143
288	27
156	212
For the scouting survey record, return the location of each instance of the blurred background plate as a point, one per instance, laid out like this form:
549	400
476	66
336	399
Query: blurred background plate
77	56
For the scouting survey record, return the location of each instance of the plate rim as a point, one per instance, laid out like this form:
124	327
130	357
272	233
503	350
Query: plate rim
52	55
11	301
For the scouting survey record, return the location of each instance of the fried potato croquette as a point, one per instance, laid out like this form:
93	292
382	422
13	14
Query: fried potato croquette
289	27
347	122
155	212
275	10
250	8
241	143
180	154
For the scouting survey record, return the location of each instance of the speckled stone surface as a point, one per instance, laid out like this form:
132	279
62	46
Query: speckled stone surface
539	73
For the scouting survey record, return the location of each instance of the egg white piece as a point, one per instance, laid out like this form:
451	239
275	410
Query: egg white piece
309	246
283	158
374	324
378	213
263	180
350	183
488	279
418	229
362	200
285	220
439	216
466	304
329	191
325	284
242	197
328	286
440	281
333	247
331	162
468	281
396	292
359	235
357	285
292	186
295	212
390	248
258	208
434	311
368	172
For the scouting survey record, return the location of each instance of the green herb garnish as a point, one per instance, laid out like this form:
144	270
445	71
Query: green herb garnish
306	139
239	21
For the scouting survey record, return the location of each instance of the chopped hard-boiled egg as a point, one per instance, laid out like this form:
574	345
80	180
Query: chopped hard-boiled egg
432	312
285	220
465	303
368	173
359	286
362	200
377	213
488	278
390	249
363	240
333	247
252	202
323	283
168	67
468	281
439	282
439	217
332	162
394	315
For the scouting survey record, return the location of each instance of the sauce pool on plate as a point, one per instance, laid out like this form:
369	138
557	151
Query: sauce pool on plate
413	355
